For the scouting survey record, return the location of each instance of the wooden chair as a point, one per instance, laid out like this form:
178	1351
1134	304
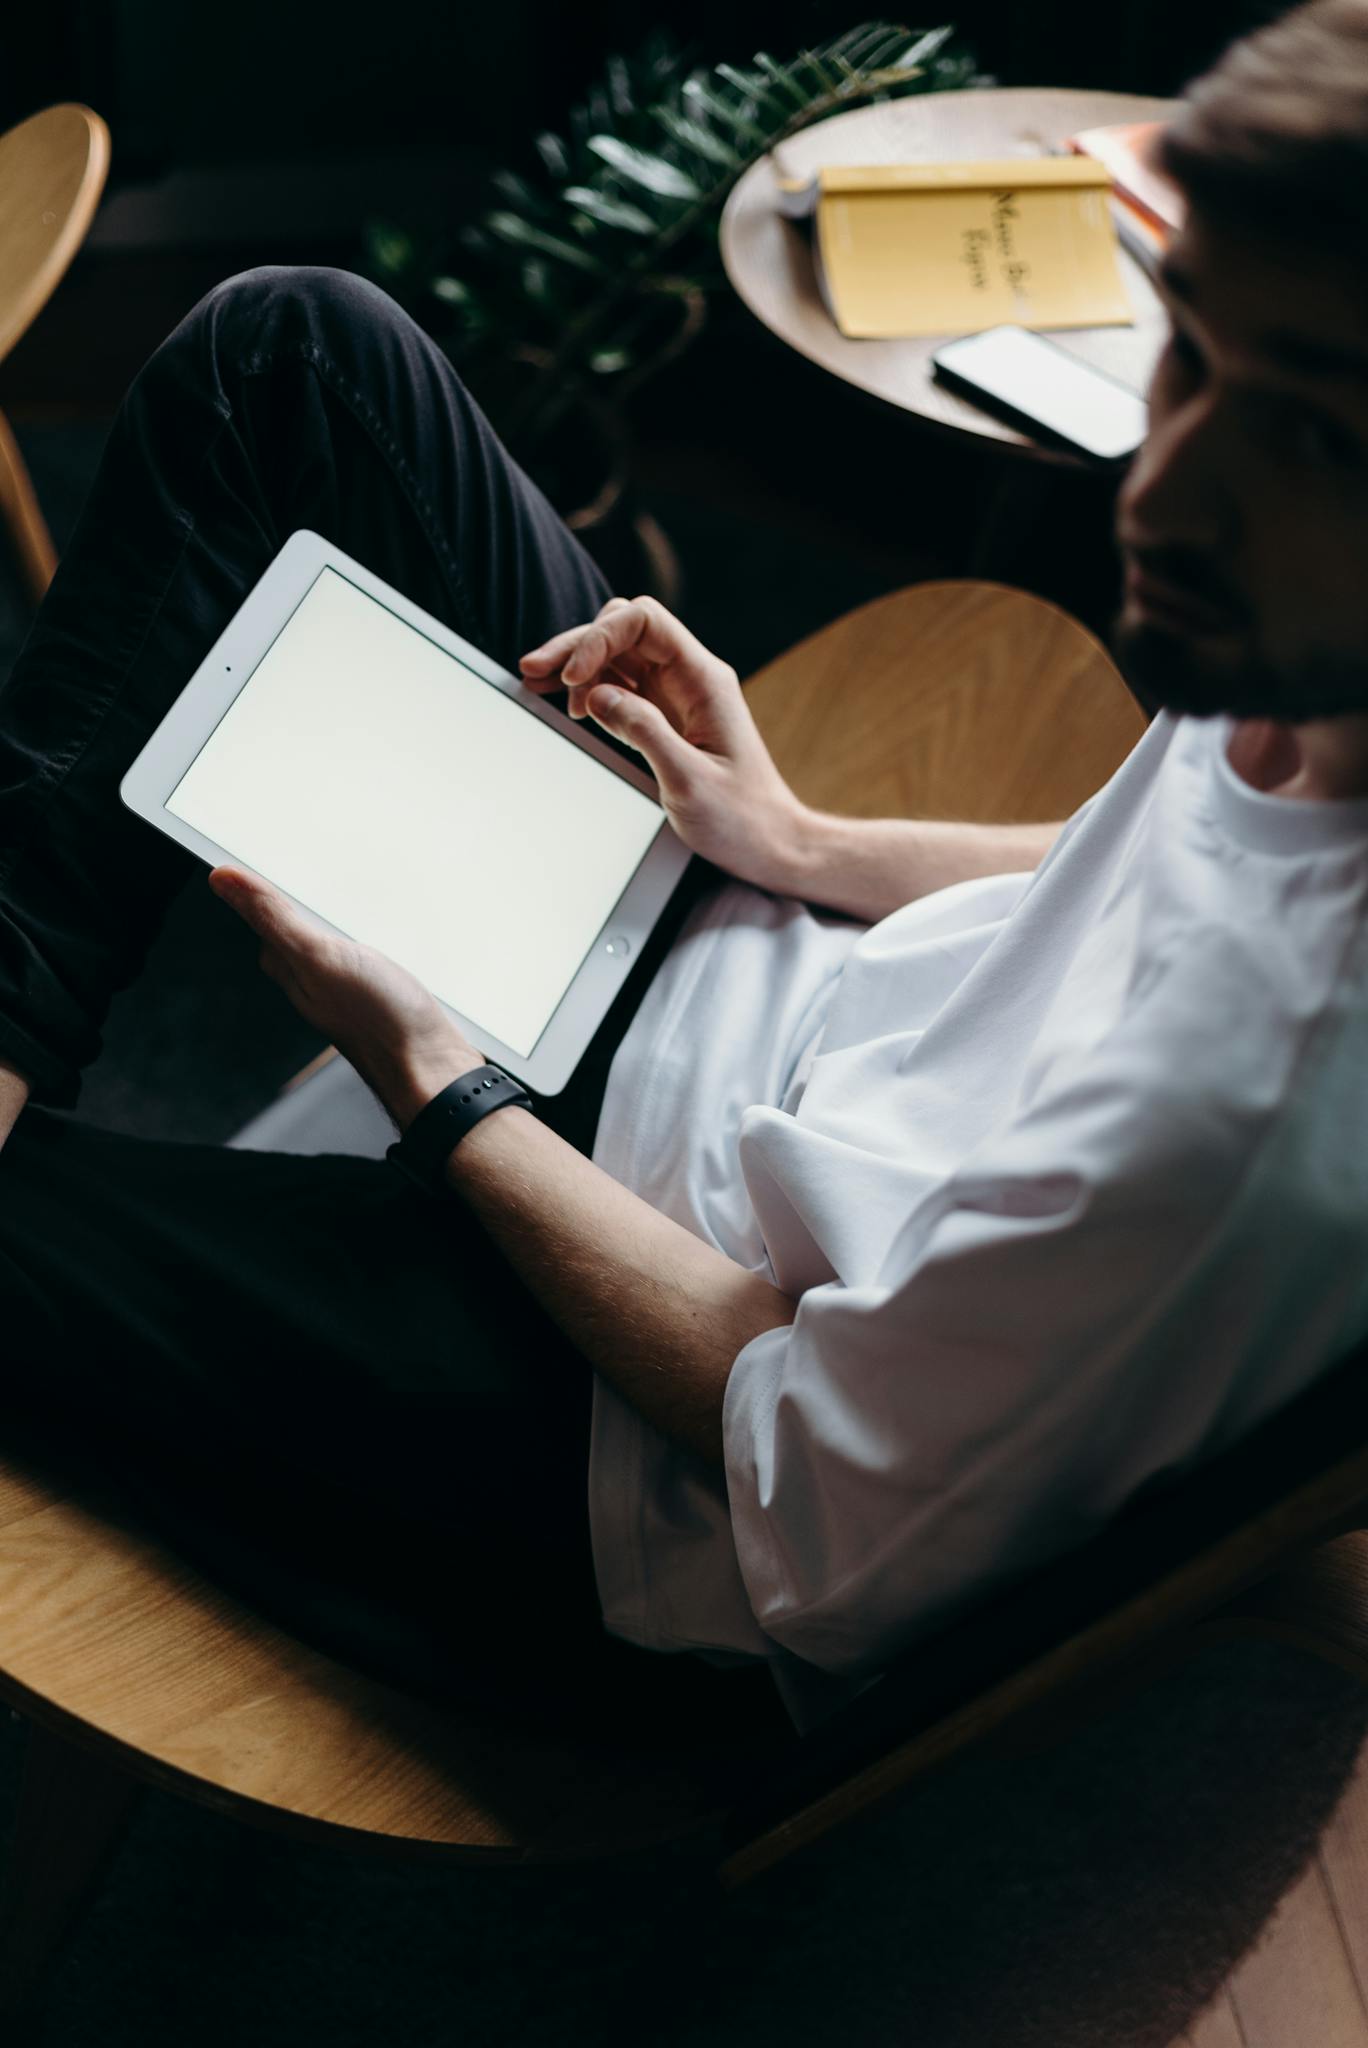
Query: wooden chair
52	171
957	698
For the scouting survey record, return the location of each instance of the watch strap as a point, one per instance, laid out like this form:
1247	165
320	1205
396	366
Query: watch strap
422	1153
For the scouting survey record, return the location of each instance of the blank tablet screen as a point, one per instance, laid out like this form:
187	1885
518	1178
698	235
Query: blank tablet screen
419	809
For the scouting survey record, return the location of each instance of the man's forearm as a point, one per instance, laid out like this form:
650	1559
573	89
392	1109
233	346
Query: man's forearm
870	867
14	1090
658	1312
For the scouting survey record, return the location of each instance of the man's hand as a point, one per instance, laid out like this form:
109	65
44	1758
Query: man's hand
379	1016
643	677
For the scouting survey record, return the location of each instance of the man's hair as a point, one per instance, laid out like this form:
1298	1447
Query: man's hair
1275	135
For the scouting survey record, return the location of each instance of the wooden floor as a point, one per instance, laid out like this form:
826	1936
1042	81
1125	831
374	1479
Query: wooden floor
1306	1983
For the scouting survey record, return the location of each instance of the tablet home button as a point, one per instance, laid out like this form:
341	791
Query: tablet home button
618	946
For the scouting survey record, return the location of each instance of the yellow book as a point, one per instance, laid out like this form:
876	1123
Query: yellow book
907	249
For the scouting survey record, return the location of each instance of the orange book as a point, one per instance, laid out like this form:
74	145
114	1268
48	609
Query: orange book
1127	151
1138	235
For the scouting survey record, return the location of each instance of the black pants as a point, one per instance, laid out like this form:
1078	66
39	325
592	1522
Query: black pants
333	1392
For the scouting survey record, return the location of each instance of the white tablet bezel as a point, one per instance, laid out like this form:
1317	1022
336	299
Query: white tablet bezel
226	670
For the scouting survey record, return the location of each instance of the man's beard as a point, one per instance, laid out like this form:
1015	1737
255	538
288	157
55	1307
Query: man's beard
1167	673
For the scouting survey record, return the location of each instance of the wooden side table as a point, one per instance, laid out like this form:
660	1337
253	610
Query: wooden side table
769	262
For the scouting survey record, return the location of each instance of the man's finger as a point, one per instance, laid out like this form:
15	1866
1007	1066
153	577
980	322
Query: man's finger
600	643
618	673
644	726
271	916
539	662
546	661
631	668
643	625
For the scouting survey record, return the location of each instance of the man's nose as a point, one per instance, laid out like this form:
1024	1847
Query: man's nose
1180	490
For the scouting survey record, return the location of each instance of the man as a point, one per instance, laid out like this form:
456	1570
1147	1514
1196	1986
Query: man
949	1182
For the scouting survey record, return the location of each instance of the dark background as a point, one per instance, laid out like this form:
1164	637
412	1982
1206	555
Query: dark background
264	79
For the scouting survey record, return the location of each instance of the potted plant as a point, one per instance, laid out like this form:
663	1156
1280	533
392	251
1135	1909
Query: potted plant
592	268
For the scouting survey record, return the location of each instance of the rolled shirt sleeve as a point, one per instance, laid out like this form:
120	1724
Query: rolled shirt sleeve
1061	1319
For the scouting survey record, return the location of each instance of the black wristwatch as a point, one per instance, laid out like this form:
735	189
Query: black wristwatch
423	1151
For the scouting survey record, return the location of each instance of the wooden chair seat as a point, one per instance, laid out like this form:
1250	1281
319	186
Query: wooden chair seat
962	699
113	1641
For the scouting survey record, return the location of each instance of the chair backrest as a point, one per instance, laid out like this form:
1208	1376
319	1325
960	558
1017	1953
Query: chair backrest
52	171
947	700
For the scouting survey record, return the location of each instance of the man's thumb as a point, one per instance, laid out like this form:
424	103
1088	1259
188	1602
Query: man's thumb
644	726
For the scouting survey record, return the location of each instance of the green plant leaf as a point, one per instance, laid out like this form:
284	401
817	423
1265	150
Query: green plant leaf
450	290
537	282
554	154
697	93
695	135
857	45
642	167
892	76
392	251
756	101
782	79
511	227
926	47
518	191
607	362
613	213
620	87
827	77
748	83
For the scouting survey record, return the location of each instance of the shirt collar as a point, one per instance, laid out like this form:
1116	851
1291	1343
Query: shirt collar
1276	824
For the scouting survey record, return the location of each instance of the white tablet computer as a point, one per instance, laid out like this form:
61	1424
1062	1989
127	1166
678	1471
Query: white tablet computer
339	741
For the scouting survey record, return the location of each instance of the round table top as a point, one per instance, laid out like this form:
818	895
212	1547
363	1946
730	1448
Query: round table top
768	258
